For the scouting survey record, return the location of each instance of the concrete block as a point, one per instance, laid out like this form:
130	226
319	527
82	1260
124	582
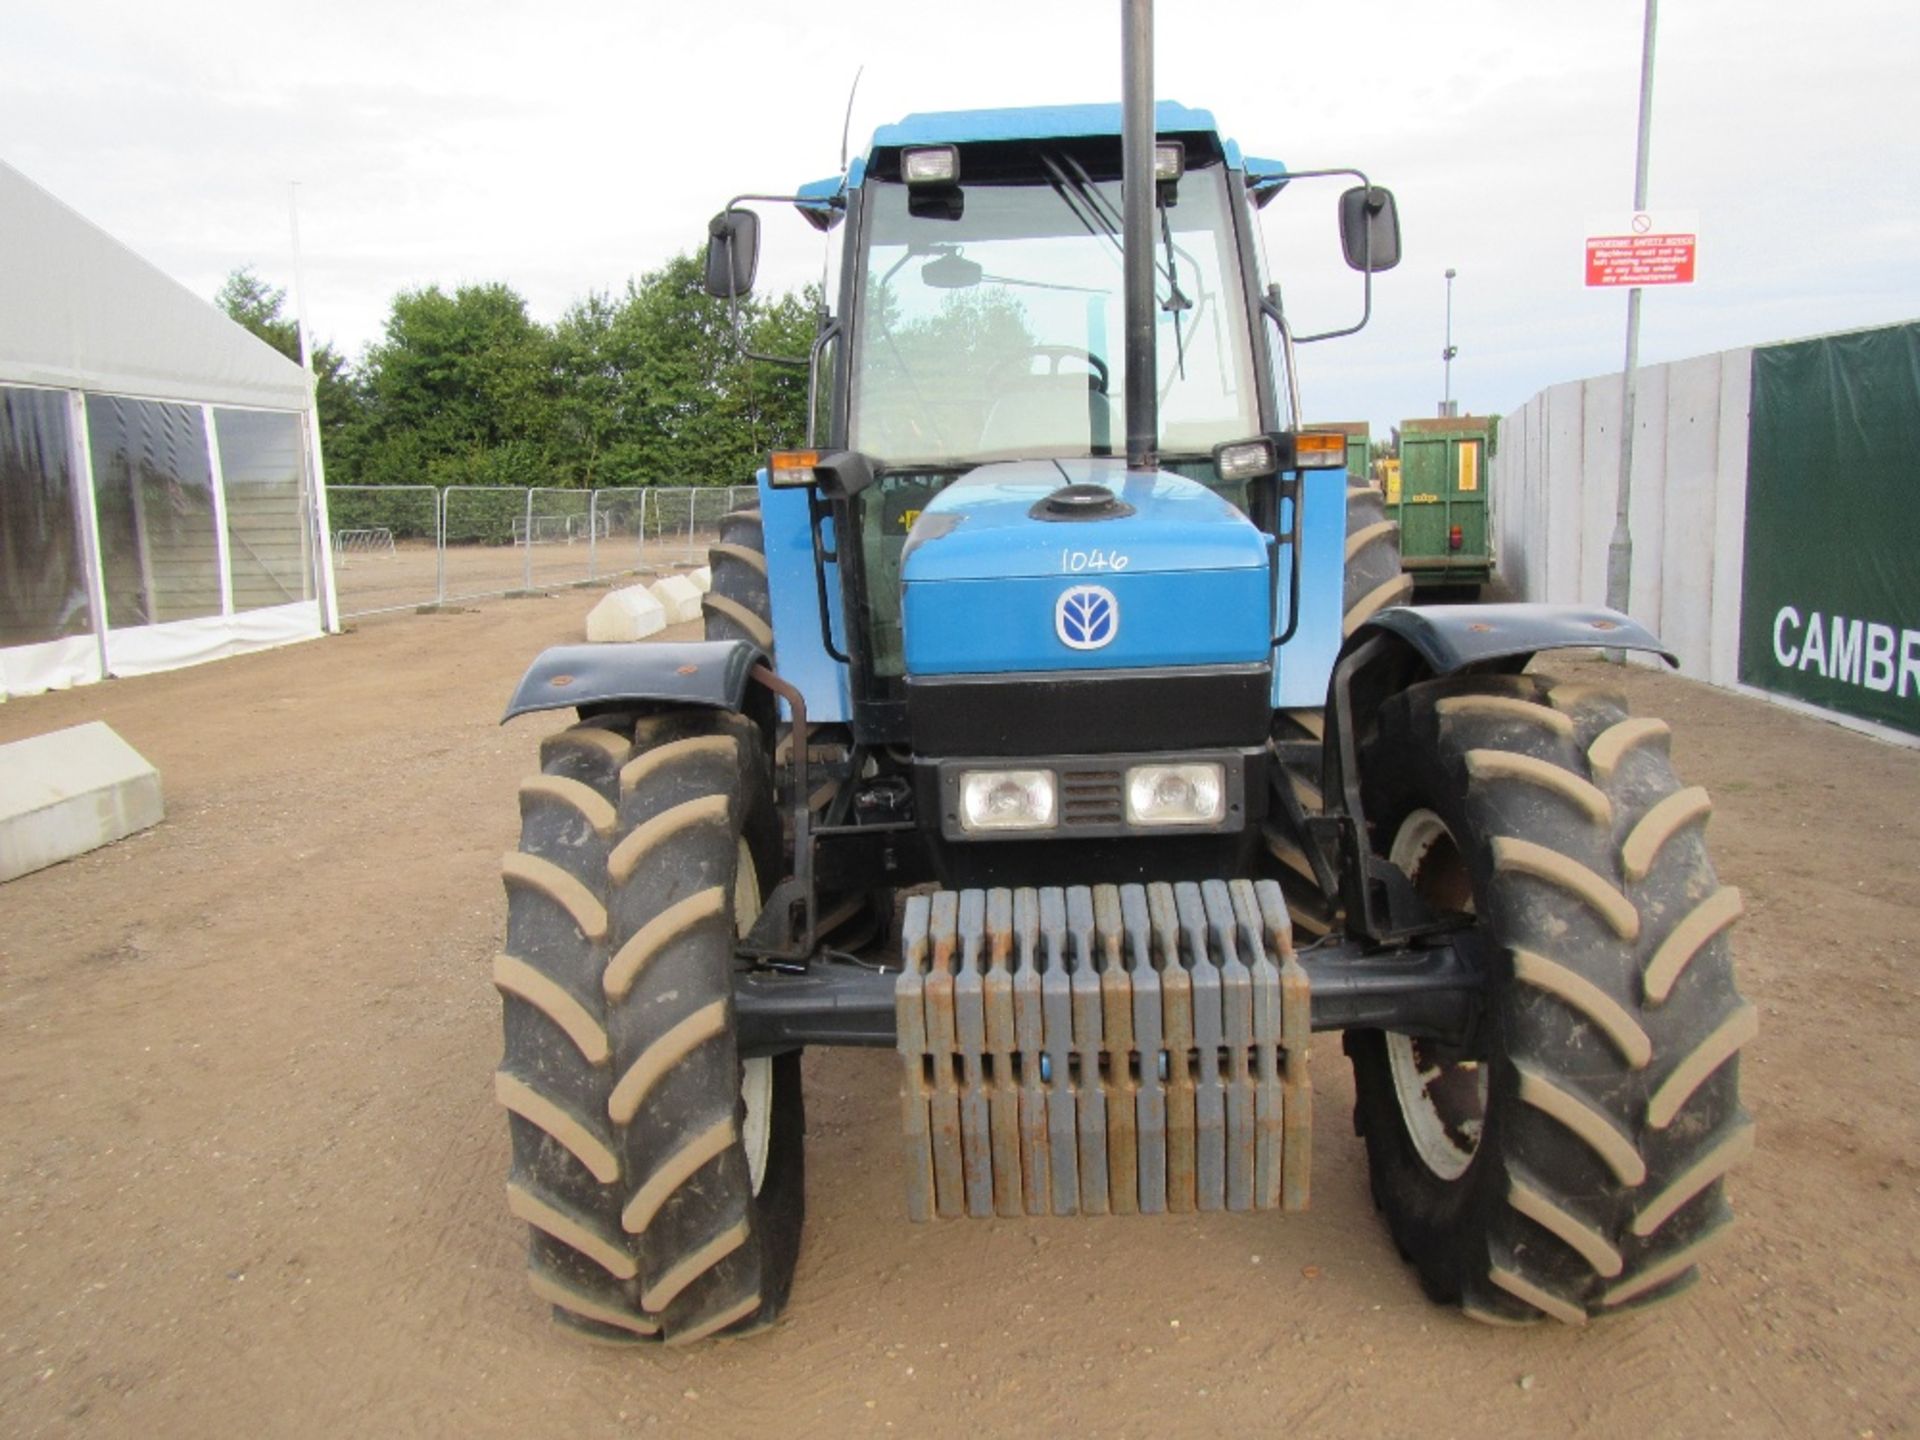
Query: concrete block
69	792
627	614
679	596
702	578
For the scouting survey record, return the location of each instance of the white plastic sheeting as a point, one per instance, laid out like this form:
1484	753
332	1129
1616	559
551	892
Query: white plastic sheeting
53	665
148	649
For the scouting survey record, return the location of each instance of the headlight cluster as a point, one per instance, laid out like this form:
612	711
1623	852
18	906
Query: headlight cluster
1175	794
1155	795
1008	799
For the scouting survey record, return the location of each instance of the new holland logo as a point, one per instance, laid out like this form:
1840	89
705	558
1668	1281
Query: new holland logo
1086	617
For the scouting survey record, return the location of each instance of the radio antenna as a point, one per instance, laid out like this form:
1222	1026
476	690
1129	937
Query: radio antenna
846	125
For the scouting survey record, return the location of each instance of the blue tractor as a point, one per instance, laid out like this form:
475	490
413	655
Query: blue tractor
1058	725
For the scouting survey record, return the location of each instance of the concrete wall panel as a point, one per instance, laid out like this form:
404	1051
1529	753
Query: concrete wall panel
1554	484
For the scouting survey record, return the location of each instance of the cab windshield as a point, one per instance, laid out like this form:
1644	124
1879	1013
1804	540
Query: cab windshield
1000	333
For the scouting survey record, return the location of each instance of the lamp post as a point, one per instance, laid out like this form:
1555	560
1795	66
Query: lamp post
1451	350
1620	546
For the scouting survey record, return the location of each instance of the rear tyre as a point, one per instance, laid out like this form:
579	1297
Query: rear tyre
661	1178
1373	582
1374	579
737	605
1573	1163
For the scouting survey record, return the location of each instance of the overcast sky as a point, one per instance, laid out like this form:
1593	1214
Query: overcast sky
562	149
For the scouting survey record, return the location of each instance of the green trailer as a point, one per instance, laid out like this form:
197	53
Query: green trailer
1359	447
1439	496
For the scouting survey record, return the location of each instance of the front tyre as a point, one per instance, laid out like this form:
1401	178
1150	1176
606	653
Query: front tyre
1573	1162
660	1177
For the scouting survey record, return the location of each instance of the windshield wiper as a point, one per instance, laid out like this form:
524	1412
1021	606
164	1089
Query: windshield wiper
1081	183
1061	183
1175	302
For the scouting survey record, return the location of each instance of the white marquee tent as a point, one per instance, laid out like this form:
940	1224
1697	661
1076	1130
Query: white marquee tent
158	466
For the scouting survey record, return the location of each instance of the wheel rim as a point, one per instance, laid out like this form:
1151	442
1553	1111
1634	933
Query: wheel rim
756	1076
1443	1101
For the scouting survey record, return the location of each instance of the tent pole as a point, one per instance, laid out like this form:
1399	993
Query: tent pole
222	536
329	596
88	505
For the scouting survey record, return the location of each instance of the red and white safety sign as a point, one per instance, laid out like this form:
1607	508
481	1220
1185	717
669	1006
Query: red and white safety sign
1652	250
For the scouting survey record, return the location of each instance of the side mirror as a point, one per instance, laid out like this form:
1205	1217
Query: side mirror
733	251
1369	228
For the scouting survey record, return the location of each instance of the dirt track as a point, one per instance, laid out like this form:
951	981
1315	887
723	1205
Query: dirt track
251	1169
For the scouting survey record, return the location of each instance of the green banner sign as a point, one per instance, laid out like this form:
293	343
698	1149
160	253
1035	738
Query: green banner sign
1830	607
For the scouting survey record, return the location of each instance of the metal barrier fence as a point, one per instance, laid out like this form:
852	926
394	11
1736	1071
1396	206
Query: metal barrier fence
471	542
682	523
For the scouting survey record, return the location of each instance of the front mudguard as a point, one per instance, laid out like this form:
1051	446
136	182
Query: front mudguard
714	674
1408	644
1455	639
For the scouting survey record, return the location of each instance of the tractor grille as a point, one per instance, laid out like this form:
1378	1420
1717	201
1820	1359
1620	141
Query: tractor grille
1092	797
1091	712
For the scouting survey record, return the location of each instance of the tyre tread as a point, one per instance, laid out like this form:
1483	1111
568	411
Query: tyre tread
548	880
1545	1301
569	1130
564	1295
1658	1272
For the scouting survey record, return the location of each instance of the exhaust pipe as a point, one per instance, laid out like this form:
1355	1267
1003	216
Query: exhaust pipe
1137	198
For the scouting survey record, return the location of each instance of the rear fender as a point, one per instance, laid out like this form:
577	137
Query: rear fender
715	674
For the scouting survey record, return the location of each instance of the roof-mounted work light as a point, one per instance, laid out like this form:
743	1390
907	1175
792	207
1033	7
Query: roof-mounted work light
1169	161
931	165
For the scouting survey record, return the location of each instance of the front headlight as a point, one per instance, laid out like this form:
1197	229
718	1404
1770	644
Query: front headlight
1007	800
1176	794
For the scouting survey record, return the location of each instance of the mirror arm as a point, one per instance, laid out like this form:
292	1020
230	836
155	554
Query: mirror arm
733	301
741	349
799	362
1366	311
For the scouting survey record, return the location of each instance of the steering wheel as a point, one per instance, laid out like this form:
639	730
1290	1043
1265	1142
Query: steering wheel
1097	380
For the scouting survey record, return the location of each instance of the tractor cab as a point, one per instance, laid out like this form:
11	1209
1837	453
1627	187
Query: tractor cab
971	448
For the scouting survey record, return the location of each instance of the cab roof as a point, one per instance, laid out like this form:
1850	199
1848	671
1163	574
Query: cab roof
817	200
1034	122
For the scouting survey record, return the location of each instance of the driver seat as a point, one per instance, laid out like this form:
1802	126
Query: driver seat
1048	415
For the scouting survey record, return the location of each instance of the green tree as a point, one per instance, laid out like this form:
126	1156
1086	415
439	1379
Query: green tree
250	301
460	391
786	326
682	405
588	385
465	388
